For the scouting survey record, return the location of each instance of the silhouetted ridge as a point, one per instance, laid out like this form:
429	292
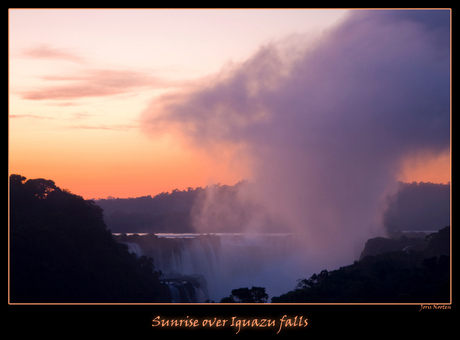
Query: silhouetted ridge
61	251
175	212
394	276
414	206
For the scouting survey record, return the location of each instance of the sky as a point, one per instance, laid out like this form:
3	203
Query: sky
128	103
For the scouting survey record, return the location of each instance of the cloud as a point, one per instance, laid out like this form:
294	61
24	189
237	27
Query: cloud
418	206
78	117
121	127
65	104
45	51
94	83
82	115
325	132
30	116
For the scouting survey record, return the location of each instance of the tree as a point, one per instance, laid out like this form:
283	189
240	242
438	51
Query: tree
246	295
61	251
393	276
41	187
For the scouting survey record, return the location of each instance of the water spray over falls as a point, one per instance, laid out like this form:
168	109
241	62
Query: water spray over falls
216	264
325	133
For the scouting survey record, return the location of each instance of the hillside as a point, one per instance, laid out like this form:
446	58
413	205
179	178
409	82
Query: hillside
421	276
173	212
415	206
61	251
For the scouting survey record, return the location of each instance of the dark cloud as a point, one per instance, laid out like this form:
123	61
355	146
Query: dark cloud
326	128
418	206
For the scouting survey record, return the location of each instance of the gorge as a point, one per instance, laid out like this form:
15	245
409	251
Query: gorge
206	267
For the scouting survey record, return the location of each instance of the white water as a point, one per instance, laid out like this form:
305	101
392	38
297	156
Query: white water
174	293
134	248
242	260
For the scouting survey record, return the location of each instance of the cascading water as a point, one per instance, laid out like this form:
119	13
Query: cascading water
225	261
174	293
134	248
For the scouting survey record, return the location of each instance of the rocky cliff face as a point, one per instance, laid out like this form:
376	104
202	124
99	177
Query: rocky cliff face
435	243
380	245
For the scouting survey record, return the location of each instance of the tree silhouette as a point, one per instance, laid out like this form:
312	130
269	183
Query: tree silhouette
61	251
246	295
392	276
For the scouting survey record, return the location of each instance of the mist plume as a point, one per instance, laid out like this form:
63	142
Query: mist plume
324	125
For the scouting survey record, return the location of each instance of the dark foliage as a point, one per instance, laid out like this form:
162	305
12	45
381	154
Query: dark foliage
145	222
175	212
61	251
393	277
415	206
380	245
165	212
246	295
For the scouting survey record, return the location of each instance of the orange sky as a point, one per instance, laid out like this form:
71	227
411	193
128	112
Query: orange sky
121	167
93	171
435	169
79	79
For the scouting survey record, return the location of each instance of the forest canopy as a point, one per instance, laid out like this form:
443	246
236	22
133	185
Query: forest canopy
390	277
174	212
415	206
61	251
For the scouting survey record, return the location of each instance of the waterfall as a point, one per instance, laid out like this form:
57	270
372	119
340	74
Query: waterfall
224	261
199	295
184	291
134	248
174	293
